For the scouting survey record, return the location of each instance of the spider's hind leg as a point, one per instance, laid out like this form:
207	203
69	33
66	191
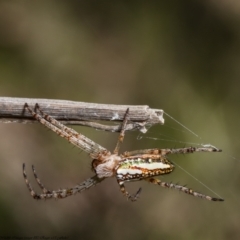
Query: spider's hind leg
182	189
134	197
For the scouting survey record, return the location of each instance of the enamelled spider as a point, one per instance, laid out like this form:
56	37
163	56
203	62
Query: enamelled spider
128	166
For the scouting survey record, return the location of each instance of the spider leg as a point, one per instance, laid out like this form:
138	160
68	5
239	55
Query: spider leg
122	132
191	150
56	122
32	192
71	131
61	193
134	197
182	189
59	125
38	180
71	135
163	152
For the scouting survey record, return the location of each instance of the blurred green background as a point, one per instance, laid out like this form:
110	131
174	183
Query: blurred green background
179	56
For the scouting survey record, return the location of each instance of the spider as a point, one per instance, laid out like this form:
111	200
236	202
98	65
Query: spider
128	166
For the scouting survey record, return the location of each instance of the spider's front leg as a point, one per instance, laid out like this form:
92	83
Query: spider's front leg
134	197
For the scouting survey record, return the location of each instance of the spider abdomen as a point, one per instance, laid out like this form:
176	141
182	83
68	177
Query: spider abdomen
137	168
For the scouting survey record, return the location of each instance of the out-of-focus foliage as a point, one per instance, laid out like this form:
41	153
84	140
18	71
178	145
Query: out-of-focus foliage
181	56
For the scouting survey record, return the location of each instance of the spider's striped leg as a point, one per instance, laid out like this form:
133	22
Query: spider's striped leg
122	132
32	192
81	141
191	150
182	189
163	152
134	197
94	146
37	179
43	121
61	193
57	123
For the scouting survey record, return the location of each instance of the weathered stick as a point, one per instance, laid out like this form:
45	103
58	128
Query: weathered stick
80	113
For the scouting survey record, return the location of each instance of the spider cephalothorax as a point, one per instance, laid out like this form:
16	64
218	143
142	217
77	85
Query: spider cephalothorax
128	166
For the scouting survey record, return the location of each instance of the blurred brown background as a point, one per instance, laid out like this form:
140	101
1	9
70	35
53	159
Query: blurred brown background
180	56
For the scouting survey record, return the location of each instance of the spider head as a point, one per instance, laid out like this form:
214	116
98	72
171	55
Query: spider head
95	163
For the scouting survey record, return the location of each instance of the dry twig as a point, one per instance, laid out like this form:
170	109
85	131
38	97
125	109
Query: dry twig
81	113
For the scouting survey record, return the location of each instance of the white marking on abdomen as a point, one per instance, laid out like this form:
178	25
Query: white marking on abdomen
153	165
126	171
